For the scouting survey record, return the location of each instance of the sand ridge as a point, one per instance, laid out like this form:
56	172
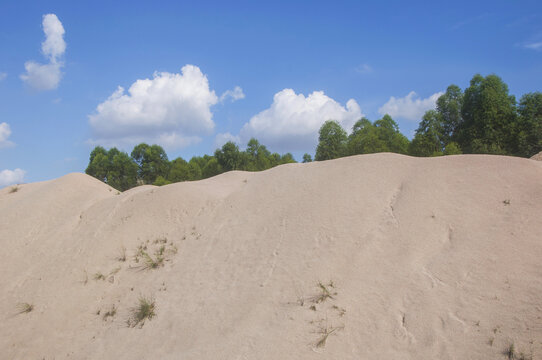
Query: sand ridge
422	258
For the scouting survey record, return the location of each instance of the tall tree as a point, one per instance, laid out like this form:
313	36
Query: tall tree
113	167
152	161
228	156
331	141
429	137
449	107
488	113
529	126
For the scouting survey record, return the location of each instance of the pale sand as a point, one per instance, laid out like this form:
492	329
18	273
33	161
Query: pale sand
433	258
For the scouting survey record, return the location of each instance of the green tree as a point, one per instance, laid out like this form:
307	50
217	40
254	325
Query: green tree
228	156
449	108
488	114
160	181
429	137
178	170
113	167
307	158
382	136
152	161
332	141
528	130
212	168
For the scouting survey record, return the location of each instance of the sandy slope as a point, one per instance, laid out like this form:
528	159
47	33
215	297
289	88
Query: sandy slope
434	258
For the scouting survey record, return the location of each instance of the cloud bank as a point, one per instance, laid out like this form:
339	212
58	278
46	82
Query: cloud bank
11	177
292	121
172	109
47	76
5	132
410	107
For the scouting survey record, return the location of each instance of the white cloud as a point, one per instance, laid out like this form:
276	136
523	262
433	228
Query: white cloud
410	107
534	46
221	139
235	94
42	76
3	75
364	69
54	45
11	177
47	76
5	132
173	109
292	121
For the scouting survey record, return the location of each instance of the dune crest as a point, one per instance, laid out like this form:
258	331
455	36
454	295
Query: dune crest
374	256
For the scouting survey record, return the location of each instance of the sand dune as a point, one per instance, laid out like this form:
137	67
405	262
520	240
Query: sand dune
433	258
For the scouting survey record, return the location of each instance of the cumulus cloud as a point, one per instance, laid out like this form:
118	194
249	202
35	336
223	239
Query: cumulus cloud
11	177
5	132
47	76
410	107
221	139
292	121
235	94
3	75
173	109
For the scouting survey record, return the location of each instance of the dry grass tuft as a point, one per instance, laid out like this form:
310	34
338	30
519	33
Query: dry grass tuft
24	308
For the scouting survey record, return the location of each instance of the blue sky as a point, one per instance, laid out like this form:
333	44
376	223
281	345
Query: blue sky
208	71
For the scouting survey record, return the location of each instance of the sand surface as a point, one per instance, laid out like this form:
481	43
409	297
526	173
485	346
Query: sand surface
423	258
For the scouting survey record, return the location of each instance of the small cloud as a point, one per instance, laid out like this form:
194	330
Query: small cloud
364	69
47	76
234	95
11	177
410	107
57	101
221	139
534	46
5	132
3	75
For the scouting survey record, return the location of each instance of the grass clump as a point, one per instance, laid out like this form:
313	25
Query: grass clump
24	308
143	311
510	351
326	292
13	189
99	276
152	263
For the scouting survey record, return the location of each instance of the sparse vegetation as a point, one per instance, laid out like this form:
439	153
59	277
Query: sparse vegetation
99	276
110	313
122	254
143	311
325	292
506	202
325	332
24	308
151	263
13	189
510	351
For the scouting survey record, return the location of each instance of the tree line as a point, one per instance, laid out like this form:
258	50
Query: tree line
482	119
149	164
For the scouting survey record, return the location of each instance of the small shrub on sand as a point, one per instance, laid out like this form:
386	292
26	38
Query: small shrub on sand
24	308
13	189
143	311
